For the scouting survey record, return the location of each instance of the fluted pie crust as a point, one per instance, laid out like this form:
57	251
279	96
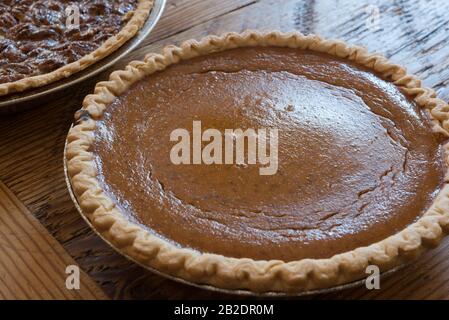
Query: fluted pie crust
131	28
233	273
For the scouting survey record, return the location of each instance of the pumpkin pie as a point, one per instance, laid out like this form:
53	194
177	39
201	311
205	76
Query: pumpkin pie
359	179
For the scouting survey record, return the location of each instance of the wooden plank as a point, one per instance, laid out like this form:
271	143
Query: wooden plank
31	143
32	262
181	15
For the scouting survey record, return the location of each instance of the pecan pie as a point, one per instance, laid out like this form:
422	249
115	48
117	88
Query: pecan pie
360	174
45	41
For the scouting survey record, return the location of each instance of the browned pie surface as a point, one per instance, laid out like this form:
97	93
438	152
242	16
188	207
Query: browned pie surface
35	37
357	160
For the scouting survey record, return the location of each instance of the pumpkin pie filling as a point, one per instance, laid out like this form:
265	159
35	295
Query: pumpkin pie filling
357	159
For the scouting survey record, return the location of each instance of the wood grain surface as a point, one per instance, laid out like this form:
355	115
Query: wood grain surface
412	33
32	263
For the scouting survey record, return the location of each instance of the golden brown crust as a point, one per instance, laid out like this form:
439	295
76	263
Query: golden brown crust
138	19
232	273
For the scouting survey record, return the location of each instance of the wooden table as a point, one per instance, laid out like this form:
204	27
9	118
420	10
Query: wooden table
412	33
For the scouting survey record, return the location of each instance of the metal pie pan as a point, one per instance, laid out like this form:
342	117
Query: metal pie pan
24	100
238	292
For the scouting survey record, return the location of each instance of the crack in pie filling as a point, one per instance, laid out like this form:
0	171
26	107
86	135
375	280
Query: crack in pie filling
361	174
358	160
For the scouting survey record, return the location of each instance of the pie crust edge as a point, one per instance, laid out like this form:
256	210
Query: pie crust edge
233	273
131	28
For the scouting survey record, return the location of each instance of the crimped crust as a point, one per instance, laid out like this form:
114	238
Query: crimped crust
232	273
138	19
